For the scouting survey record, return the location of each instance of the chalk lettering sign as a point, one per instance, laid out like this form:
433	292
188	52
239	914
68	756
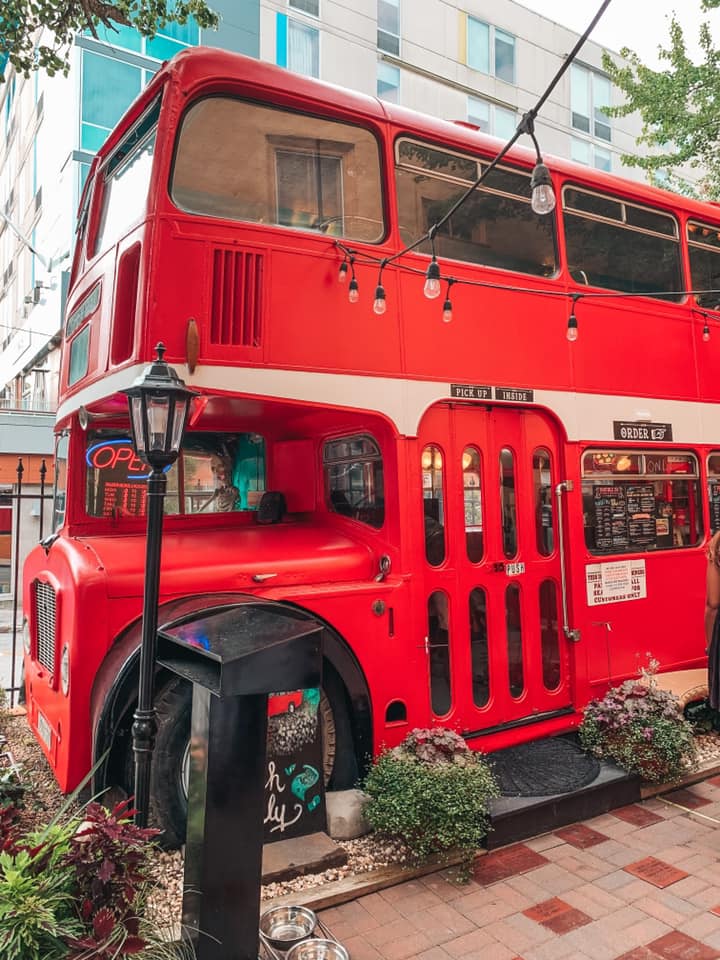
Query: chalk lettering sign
294	784
653	432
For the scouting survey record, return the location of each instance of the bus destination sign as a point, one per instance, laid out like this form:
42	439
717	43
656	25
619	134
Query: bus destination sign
658	432
474	391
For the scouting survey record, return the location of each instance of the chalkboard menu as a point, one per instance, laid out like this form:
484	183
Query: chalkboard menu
611	518
625	516
714	494
640	500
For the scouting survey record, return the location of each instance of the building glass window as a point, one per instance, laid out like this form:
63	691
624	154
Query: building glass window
640	501
589	95
490	50
388	33
306	6
168	40
303	49
108	87
388	82
491	118
590	154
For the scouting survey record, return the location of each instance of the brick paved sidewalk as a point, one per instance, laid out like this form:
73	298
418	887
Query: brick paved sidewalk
639	883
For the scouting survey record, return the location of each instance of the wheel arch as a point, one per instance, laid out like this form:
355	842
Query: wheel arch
114	691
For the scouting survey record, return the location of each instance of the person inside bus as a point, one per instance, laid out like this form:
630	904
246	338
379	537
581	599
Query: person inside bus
712	620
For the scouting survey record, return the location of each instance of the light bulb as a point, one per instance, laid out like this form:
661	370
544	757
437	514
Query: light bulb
706	333
447	312
342	272
379	306
432	280
353	292
572	328
543	195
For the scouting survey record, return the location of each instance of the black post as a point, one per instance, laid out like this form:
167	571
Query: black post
144	725
16	577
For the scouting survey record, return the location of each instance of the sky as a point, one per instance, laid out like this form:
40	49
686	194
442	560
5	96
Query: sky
642	25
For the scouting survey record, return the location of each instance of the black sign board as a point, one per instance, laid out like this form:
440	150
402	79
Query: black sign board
654	432
611	519
714	491
514	394
294	788
470	391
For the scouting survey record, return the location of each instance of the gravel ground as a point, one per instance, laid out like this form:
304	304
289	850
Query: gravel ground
43	801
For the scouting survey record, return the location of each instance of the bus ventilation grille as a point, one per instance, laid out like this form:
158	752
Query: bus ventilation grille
236	298
45	620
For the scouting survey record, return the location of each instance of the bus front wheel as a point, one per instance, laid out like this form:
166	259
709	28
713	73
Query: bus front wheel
171	757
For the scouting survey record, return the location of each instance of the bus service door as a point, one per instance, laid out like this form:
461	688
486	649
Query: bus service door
491	609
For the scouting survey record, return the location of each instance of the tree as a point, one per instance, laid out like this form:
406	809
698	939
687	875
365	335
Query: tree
21	23
679	106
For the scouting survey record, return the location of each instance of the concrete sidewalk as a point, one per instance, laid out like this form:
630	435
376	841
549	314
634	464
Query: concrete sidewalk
639	883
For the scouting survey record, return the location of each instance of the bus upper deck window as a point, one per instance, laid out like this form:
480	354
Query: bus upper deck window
704	251
640	501
124	182
246	161
494	226
354	484
621	246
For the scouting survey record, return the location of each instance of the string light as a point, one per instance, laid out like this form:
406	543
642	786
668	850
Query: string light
343	271
447	313
706	332
380	303
432	280
572	326
542	195
353	289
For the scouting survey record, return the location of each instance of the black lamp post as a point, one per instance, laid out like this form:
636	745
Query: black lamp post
158	402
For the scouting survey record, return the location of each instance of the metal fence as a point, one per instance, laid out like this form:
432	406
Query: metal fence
18	496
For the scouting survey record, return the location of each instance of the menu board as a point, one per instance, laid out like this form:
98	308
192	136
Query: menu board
116	479
714	495
611	519
641	514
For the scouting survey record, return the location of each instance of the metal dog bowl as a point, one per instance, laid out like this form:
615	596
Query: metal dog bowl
318	950
285	926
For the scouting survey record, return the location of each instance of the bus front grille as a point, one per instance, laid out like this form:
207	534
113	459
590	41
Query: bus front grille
45	624
237	284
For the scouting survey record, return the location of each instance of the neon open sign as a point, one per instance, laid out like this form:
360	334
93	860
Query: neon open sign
117	454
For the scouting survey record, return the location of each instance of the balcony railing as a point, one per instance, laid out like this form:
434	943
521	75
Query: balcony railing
27	405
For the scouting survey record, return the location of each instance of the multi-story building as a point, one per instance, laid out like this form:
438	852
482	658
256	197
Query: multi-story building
468	60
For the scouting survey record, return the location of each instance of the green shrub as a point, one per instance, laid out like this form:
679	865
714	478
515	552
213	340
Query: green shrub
642	728
432	792
76	889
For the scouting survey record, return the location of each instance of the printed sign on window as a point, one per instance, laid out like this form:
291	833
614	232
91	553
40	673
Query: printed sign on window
615	582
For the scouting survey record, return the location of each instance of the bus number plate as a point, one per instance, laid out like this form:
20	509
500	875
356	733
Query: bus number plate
44	731
514	569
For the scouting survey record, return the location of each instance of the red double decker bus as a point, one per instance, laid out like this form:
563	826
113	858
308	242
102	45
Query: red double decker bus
492	521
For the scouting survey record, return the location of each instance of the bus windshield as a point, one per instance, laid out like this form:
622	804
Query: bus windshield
215	473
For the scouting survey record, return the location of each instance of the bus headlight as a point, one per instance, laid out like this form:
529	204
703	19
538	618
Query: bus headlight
65	670
26	636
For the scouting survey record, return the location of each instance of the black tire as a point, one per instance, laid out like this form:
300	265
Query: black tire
168	793
173	705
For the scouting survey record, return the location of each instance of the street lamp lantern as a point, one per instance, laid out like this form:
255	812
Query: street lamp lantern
158	402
